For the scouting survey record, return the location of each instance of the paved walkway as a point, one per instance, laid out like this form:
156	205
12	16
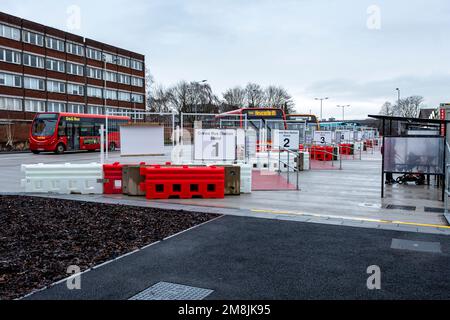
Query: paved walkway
347	196
248	258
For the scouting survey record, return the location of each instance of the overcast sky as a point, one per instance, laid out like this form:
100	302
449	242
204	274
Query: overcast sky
313	48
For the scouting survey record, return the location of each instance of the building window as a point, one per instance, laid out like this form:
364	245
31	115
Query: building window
31	60
137	65
54	44
124	79
11	104
110	76
33	38
109	58
111	94
137	98
55	65
94	110
75	89
124	62
56	86
75	108
75	69
94	92
137	82
34	106
10	80
75	49
9	32
124	96
34	83
94	54
94	73
56	107
10	56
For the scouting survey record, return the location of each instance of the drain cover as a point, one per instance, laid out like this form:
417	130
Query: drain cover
434	210
394	206
172	291
422	246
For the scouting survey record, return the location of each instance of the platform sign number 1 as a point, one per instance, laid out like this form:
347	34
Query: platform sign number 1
215	144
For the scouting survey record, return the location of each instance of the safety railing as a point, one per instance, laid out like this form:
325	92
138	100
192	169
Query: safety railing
288	165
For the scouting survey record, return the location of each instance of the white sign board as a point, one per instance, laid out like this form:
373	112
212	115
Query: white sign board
141	140
286	139
215	144
323	137
344	136
370	134
358	135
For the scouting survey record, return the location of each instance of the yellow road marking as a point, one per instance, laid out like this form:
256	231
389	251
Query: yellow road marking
351	218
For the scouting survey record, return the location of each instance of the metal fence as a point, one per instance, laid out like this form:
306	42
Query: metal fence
112	126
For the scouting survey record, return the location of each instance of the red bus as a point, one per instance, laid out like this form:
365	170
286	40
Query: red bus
60	132
257	118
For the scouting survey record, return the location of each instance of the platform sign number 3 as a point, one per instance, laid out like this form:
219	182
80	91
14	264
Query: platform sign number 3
322	137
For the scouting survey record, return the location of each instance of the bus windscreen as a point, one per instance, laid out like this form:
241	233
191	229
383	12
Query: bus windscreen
45	125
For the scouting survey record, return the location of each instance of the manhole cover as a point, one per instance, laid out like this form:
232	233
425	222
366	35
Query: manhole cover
422	246
398	207
434	210
172	291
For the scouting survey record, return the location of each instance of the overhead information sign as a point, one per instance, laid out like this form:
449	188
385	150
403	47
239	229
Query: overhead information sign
215	144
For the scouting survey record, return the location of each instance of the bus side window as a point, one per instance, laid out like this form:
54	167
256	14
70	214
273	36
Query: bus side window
87	128
97	126
62	128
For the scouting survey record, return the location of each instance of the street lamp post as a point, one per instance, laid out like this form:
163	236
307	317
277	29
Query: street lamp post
321	106
343	110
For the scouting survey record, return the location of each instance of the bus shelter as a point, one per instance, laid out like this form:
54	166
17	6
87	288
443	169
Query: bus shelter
413	146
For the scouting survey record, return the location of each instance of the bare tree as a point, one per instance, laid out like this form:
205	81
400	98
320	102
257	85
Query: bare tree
278	97
235	98
387	109
255	95
409	107
179	97
149	81
160	100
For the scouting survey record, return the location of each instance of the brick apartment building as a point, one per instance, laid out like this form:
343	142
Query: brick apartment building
43	69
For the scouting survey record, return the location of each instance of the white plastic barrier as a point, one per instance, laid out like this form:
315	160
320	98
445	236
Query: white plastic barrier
63	179
246	178
271	160
306	163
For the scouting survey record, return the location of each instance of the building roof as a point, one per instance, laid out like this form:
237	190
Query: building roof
426	113
406	119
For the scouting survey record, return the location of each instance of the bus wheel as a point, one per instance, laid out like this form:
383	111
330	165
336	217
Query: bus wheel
35	151
60	149
112	147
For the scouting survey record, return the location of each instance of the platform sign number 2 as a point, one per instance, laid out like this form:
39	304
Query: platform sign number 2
286	139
